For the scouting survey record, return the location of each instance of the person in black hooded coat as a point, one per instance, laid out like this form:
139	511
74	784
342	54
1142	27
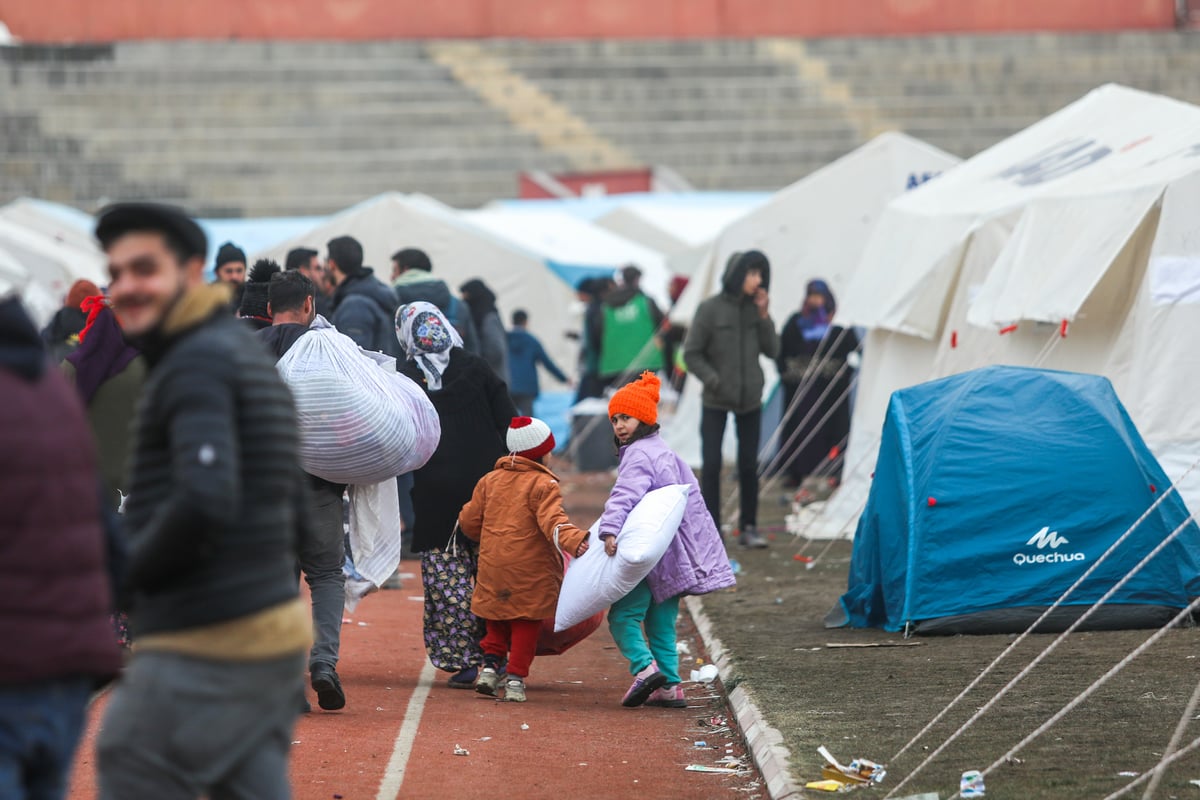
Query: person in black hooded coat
493	338
728	334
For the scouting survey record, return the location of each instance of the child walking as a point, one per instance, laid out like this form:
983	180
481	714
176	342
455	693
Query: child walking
695	562
517	517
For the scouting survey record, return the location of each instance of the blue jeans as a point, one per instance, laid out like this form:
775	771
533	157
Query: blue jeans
40	725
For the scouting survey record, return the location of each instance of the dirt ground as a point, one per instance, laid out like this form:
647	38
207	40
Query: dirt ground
869	702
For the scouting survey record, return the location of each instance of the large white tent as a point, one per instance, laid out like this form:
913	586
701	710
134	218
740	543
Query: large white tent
815	228
53	255
1082	224
672	229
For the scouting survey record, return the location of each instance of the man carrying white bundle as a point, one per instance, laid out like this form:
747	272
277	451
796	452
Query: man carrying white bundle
292	306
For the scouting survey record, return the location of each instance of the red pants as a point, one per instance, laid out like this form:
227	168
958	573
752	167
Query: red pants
514	639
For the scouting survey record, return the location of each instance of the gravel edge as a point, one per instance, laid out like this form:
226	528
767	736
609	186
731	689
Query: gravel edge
764	742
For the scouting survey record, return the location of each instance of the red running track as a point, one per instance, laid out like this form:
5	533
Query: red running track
579	741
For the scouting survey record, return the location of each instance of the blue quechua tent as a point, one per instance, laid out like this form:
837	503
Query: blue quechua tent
994	491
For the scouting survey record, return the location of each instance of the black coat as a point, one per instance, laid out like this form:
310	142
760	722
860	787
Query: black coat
475	410
217	502
364	309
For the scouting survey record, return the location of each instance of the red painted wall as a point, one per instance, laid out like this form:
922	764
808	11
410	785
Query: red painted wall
112	20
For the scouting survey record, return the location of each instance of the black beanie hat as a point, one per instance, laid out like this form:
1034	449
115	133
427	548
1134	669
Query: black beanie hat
255	296
228	253
121	218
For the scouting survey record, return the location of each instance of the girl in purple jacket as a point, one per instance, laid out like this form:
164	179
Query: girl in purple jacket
695	562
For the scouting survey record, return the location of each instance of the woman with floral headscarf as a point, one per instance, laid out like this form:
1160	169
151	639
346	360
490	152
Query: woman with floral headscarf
474	409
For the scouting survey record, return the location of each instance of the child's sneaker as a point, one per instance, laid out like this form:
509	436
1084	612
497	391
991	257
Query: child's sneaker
514	690
487	681
644	684
668	697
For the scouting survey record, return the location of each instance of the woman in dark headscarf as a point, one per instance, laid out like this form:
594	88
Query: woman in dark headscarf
493	339
811	345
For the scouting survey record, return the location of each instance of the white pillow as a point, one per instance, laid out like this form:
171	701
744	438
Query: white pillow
595	581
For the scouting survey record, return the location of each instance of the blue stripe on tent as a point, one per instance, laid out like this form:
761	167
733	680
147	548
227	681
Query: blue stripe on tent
572	274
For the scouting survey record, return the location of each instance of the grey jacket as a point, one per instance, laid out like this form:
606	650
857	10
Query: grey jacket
726	338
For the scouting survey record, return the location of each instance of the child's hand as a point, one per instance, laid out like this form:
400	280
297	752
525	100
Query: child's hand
610	545
583	548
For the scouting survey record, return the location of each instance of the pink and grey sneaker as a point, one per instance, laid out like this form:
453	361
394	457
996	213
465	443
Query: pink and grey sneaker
644	684
668	697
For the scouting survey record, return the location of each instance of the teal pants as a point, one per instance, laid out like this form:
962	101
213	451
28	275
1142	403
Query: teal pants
626	620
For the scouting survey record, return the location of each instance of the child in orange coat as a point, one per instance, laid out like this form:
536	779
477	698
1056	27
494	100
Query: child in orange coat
517	517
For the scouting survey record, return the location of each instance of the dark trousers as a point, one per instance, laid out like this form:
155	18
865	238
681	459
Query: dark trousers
712	433
40	725
322	557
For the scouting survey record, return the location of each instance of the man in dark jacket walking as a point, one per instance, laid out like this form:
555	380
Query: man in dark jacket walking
54	567
292	304
214	514
363	307
413	281
728	334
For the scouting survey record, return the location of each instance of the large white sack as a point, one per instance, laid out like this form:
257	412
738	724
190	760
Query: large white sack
374	536
360	421
595	580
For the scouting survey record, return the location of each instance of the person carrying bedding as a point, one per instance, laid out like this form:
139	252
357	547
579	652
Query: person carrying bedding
643	622
516	515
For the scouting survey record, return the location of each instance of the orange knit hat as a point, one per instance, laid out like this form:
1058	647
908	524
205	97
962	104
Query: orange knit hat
638	399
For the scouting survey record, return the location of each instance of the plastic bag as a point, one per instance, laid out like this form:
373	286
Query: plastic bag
596	580
360	421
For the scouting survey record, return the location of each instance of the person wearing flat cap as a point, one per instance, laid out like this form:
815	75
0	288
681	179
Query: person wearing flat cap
217	507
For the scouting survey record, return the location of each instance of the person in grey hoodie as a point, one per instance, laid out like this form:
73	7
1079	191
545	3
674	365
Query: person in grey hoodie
493	339
728	334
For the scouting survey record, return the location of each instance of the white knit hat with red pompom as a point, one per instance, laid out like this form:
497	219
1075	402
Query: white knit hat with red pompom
528	437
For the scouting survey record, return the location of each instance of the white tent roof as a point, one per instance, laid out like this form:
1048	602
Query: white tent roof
573	248
671	229
814	228
460	250
1092	145
52	264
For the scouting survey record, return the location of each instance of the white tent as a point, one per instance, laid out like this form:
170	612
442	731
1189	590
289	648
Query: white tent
671	229
571	247
1050	230
51	262
460	250
814	228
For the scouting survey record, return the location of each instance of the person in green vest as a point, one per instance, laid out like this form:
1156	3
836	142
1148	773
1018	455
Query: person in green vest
630	340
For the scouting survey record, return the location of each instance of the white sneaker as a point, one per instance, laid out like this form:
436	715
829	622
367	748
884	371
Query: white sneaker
487	681
514	690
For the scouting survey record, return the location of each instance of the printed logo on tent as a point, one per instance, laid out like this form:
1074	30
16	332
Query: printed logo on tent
1041	540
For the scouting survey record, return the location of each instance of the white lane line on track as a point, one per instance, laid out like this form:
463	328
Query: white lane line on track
393	775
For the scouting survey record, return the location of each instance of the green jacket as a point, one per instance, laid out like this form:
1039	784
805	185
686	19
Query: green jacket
727	336
111	415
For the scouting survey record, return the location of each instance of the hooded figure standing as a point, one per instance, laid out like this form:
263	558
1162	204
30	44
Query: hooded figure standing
812	347
493	339
728	334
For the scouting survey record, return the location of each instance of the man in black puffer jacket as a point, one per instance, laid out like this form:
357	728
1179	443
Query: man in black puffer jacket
214	516
363	307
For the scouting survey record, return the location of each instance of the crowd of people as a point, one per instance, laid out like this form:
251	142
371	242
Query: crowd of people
197	520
